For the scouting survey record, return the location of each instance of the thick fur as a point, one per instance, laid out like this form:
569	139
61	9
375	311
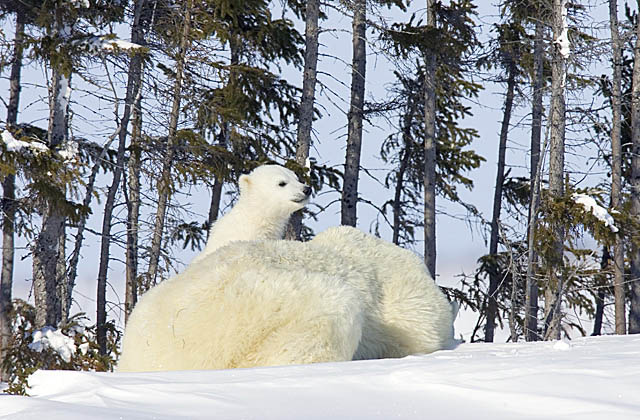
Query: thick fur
268	197
249	304
344	295
409	313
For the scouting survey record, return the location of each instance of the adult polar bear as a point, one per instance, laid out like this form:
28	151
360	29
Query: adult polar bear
344	295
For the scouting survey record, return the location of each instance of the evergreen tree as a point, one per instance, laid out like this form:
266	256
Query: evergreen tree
250	112
165	180
8	205
537	85
508	56
554	256
133	91
47	252
634	315
443	43
430	145
229	94
404	149
616	157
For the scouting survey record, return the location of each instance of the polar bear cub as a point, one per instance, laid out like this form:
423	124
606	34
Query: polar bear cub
268	197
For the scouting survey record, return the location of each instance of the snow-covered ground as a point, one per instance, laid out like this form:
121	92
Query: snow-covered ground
587	378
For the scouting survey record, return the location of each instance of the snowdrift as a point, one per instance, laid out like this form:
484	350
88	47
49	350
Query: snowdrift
587	378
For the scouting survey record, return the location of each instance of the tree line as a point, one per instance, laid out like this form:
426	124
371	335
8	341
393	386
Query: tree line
197	97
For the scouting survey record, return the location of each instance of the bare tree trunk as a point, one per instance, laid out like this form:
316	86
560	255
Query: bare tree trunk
402	169
531	323
45	269
616	172
515	285
600	292
397	202
556	172
8	251
494	277
537	94
355	116
134	84
307	100
216	189
101	318
64	293
72	271
430	142
531	293
164	183
634	310
46	251
8	205
133	211
225	133
216	198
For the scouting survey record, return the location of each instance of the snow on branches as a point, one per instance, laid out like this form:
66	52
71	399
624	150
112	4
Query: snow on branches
54	339
107	43
14	145
596	210
68	151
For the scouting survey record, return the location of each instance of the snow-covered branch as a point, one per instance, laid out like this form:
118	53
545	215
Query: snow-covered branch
596	210
107	43
14	145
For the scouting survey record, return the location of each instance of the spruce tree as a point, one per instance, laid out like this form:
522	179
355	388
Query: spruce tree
441	44
8	204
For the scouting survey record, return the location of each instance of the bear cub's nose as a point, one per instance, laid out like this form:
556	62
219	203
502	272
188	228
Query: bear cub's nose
307	190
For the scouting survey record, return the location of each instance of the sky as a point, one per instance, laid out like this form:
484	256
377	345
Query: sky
459	243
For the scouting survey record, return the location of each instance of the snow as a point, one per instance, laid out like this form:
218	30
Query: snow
105	43
84	348
69	152
599	212
80	4
563	39
14	145
49	337
587	378
108	44
64	94
561	345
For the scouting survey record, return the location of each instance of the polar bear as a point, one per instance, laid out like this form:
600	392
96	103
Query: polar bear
345	295
249	304
268	197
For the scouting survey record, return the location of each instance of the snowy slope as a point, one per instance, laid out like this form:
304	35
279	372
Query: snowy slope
588	378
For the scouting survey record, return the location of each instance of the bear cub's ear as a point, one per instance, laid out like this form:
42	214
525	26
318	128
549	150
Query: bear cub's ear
244	181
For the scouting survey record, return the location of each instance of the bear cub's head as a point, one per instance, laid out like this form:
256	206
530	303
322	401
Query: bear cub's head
276	187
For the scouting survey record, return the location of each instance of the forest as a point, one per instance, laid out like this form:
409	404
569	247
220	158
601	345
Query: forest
121	114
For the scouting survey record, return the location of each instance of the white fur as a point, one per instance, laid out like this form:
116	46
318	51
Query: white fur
408	314
262	211
344	295
230	311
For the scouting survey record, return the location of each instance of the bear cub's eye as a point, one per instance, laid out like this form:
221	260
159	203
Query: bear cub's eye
282	183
